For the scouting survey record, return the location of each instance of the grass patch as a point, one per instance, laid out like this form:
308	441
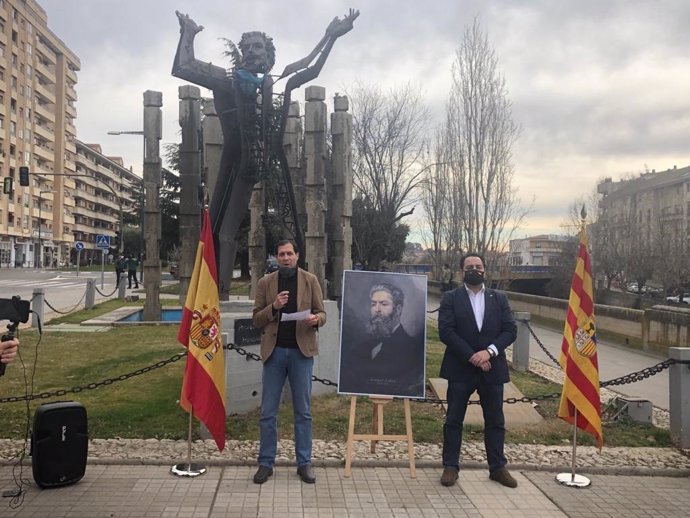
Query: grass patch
146	405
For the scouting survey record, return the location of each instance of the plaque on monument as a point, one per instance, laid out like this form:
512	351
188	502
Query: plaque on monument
246	333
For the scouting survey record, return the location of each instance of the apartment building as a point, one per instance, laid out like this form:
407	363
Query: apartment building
104	192
541	250
37	112
652	210
74	192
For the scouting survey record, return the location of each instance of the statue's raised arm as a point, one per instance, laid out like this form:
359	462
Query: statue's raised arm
335	30
186	66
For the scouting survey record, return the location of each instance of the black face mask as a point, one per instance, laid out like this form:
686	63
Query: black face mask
286	272
473	277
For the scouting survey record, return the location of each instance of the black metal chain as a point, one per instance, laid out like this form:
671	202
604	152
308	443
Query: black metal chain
69	310
541	345
109	294
90	386
628	378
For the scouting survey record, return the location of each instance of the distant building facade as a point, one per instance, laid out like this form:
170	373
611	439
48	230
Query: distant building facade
40	222
650	212
542	250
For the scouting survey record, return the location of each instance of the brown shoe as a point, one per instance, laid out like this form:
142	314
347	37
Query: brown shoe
503	477
449	477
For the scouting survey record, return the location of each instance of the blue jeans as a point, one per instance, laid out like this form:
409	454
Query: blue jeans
291	364
491	399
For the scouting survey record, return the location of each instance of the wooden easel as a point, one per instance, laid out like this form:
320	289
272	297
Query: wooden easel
377	431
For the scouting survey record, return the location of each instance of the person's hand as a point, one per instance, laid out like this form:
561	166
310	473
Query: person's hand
480	357
281	300
187	24
339	27
8	350
486	366
311	320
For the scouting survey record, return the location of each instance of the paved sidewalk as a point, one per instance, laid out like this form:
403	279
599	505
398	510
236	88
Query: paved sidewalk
124	491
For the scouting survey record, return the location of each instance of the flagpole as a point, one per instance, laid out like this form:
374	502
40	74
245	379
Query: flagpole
188	469
572	479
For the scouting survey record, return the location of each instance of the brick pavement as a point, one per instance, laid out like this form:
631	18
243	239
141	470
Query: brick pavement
126	491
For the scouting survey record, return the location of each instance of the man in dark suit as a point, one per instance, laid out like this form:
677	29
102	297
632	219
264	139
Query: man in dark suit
387	360
476	325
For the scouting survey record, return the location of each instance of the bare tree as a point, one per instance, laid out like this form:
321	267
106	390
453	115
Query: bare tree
479	135
389	141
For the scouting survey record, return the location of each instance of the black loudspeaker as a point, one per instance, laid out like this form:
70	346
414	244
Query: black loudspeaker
59	444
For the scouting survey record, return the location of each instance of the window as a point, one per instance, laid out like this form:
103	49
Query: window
15	60
29	71
13	128
28	48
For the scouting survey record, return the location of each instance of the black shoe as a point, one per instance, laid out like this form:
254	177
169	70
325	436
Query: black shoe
306	473
449	477
262	474
503	477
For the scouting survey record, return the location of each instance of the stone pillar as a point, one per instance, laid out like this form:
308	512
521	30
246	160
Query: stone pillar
152	210
257	235
90	298
339	229
291	145
212	136
521	344
315	154
679	403
38	307
190	176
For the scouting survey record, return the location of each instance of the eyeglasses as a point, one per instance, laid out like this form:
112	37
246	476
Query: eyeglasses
471	267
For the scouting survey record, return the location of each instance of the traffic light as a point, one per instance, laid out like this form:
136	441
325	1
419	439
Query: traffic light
24	176
116	240
7	185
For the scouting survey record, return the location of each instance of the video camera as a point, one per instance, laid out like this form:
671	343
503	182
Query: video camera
15	310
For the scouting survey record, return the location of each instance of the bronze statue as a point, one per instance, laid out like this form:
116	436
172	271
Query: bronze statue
243	98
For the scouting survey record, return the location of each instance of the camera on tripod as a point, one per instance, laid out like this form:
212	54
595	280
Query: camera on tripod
16	311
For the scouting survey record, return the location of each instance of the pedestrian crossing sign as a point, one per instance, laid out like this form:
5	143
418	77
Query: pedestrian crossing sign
102	241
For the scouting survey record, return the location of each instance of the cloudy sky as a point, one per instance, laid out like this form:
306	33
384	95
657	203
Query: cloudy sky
600	88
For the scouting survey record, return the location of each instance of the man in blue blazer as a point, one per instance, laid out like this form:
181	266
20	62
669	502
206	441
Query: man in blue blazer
476	325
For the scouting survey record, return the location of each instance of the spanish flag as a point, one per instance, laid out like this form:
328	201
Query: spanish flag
203	386
580	398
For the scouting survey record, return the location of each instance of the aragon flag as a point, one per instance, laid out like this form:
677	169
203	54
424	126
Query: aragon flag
203	386
579	352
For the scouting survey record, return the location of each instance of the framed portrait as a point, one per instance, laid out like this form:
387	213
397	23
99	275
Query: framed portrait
383	334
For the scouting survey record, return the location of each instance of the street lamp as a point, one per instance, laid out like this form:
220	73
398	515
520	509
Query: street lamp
122	236
38	254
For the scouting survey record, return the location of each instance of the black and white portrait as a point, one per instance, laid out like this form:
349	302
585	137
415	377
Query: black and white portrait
383	334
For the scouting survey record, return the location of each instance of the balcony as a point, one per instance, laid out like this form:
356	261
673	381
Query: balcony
71	74
44	152
44	111
46	51
44	132
71	111
47	73
45	92
71	93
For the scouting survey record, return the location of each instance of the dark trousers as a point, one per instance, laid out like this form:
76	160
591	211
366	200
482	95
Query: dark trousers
132	274
491	398
118	274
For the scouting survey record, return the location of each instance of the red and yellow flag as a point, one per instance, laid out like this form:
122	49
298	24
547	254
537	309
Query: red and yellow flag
203	386
579	352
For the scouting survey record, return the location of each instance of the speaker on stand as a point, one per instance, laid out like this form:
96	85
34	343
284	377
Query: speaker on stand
59	444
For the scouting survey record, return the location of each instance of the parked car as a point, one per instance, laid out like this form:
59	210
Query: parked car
676	298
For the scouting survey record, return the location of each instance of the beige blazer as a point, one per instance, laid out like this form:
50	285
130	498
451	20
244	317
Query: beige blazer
309	297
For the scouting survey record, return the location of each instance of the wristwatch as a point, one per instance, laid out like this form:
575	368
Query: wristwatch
491	352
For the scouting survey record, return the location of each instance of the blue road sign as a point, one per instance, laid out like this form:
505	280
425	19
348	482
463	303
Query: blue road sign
102	241
78	246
